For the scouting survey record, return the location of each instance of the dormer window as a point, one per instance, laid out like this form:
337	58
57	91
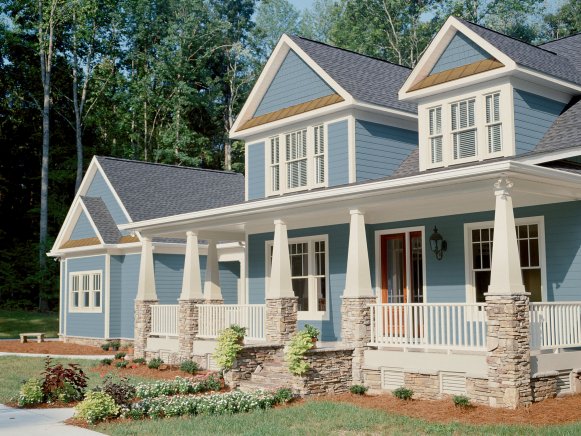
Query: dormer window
459	129
297	160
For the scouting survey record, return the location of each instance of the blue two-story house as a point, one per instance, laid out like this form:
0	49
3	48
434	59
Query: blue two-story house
397	210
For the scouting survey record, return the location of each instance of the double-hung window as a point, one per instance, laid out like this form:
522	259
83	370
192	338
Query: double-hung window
85	291
274	164
463	124
530	247
296	159
319	154
493	124
308	262
435	115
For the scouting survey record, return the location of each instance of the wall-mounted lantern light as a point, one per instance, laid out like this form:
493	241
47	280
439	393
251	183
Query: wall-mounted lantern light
437	244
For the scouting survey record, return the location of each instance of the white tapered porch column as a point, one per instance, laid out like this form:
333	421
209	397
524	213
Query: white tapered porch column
146	296
212	291
281	302
507	309
358	294
190	297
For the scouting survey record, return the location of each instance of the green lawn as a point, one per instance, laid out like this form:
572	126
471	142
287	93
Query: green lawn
316	418
14	322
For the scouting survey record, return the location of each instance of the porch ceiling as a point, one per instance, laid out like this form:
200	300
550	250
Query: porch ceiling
448	192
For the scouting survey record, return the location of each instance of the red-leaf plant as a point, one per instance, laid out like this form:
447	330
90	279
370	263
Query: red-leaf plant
57	377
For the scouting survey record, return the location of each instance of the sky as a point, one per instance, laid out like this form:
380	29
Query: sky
301	4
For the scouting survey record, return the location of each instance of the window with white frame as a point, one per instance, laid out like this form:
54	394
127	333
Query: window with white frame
493	124
531	254
435	115
308	262
463	124
297	160
85	291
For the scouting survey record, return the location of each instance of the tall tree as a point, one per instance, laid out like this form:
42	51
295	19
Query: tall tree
565	21
273	18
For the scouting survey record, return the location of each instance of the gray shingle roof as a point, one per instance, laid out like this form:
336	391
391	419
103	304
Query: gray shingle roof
565	131
150	190
102	219
367	79
526	55
568	47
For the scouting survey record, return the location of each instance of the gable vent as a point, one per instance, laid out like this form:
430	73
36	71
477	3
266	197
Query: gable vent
564	382
453	383
392	378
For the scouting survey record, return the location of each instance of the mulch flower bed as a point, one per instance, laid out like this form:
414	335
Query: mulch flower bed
167	372
549	412
52	347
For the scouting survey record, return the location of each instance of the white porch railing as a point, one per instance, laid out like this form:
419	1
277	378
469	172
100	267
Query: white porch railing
555	325
216	317
164	319
452	326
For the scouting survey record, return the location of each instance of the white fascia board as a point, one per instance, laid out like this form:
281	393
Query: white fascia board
234	213
284	45
115	195
547	80
435	50
65	229
550	156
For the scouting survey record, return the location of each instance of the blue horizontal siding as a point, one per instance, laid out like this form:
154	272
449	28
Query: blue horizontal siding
380	149
99	188
294	83
338	159
255	171
124	281
229	275
83	228
533	115
337	251
91	325
460	51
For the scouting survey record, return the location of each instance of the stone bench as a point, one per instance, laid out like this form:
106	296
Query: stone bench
24	337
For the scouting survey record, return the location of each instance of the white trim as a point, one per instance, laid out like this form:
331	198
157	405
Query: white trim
351	149
91	308
309	315
551	156
247	273
107	297
113	191
377	242
65	295
90	218
468	227
321	198
61	297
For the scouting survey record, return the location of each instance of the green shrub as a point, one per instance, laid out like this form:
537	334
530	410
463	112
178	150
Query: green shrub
299	344
461	401
155	363
403	393
189	366
122	392
135	414
30	393
312	331
105	346
179	385
115	345
97	406
106	361
122	364
67	394
358	389
283	395
120	355
228	346
139	360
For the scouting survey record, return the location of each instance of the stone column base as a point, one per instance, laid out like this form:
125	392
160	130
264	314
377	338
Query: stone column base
508	356
217	301
356	329
142	326
187	327
281	319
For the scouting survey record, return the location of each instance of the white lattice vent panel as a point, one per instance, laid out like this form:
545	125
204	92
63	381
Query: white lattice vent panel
392	378
453	383
564	382
211	363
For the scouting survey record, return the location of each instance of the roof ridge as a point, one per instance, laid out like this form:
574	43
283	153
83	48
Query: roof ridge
506	36
558	39
350	51
167	165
